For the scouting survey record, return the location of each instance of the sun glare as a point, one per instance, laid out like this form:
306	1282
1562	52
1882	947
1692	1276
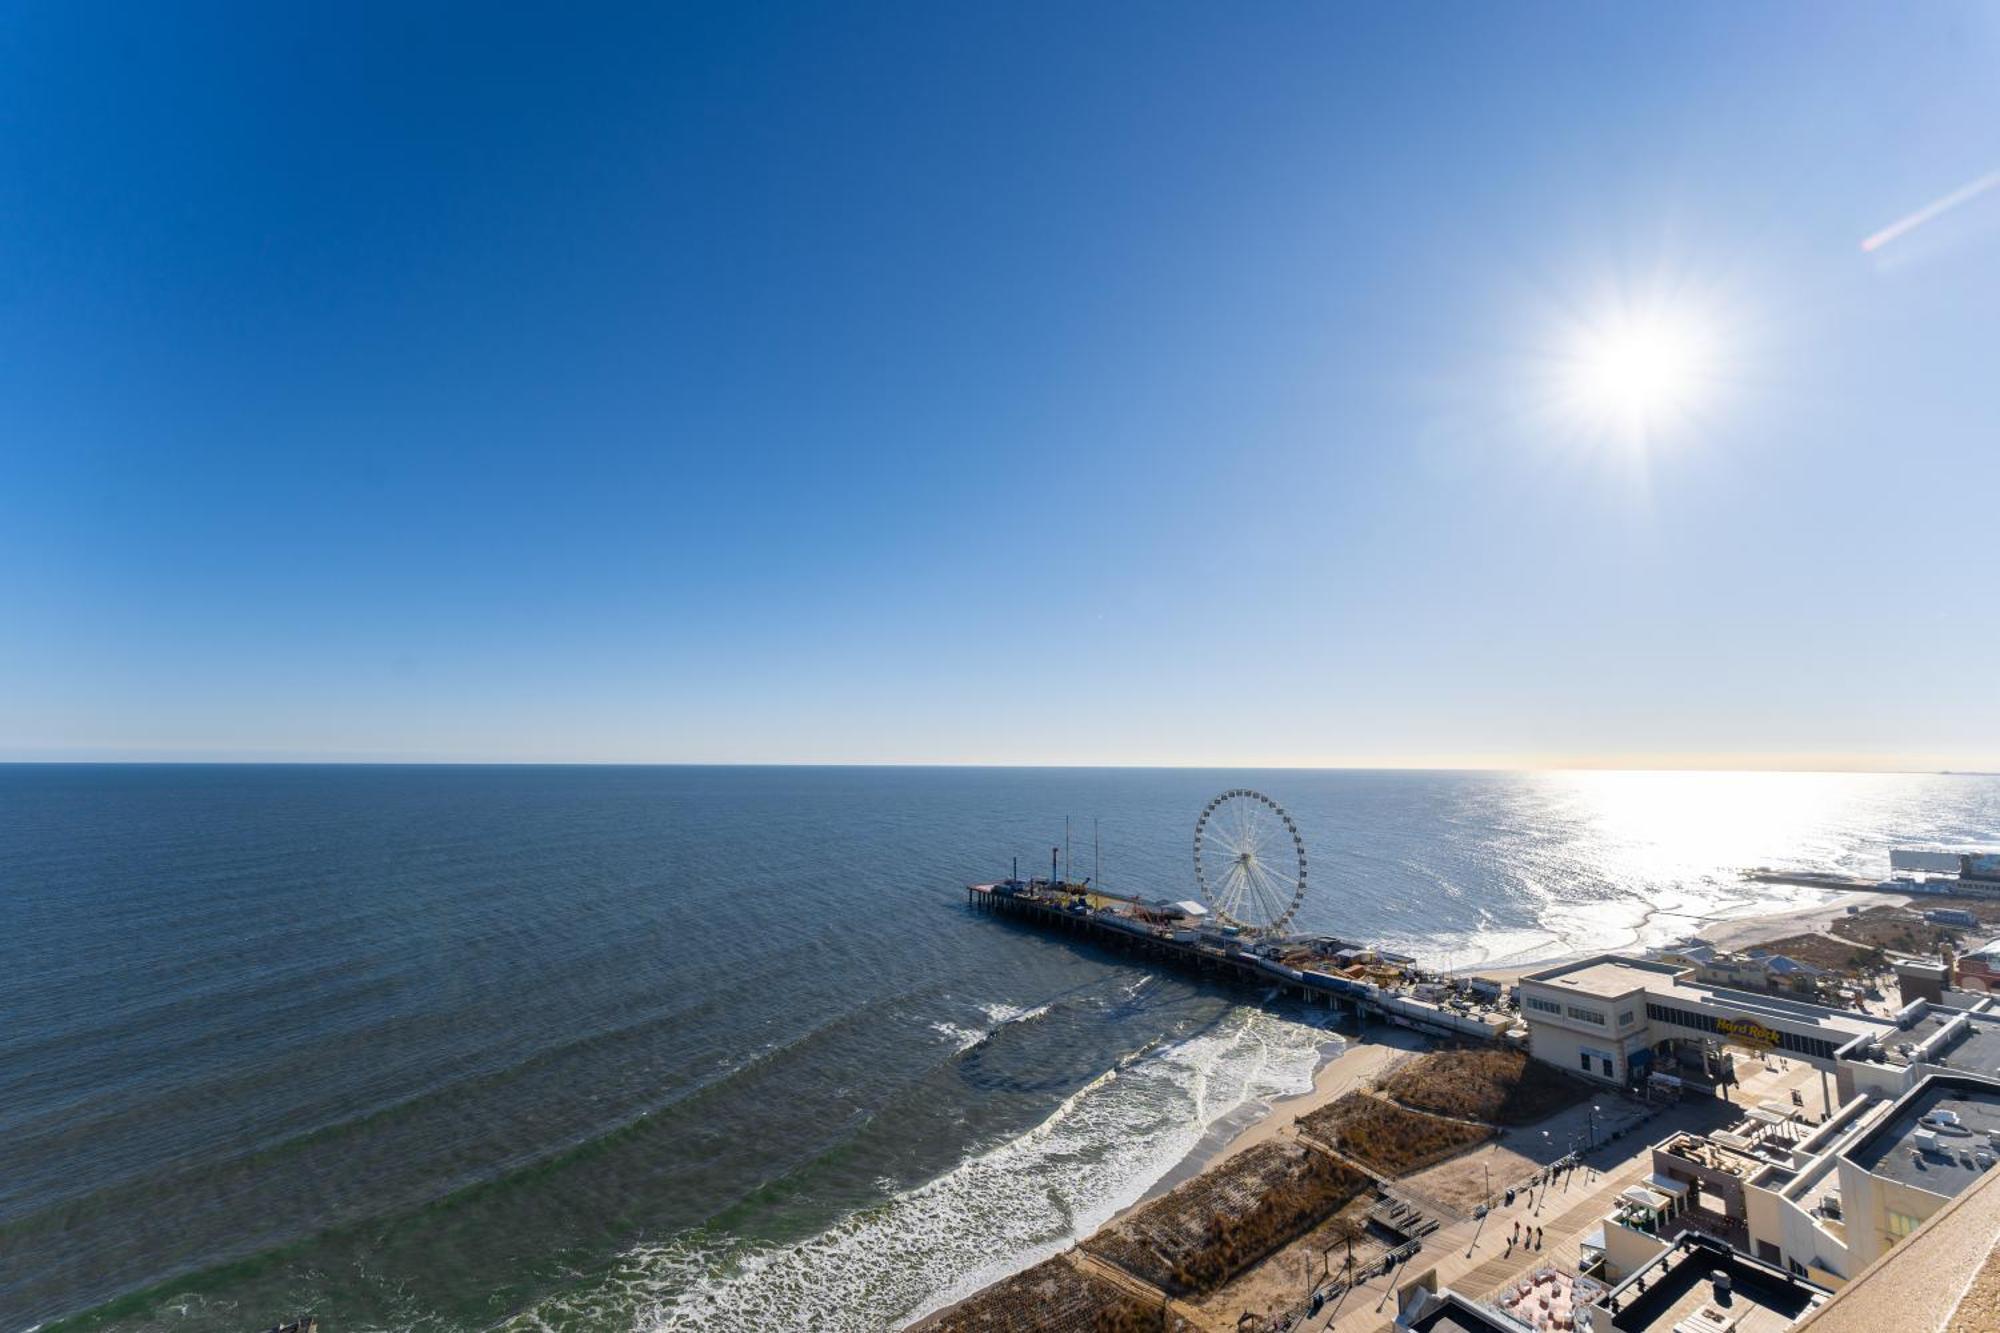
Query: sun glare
1638	374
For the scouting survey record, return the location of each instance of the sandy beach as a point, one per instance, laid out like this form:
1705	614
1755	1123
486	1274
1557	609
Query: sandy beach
1777	925
1353	1062
1362	1059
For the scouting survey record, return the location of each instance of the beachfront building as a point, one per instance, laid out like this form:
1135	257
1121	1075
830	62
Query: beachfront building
1621	1020
1979	970
1922	979
1819	1202
1696	1284
1936	1141
1752	969
1928	1039
1625	1020
1944	1275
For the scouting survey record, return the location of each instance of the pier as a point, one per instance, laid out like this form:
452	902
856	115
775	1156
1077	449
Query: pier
1358	980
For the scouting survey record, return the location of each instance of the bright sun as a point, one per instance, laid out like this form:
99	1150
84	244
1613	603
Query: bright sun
1639	373
1641	369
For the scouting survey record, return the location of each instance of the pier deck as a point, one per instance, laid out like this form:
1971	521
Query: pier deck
1120	922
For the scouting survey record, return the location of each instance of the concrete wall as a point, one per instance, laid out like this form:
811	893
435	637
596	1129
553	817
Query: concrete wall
1626	1250
1888	1081
1797	1234
1563	1048
1866	1200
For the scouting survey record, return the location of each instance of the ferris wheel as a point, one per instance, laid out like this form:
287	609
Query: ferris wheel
1249	860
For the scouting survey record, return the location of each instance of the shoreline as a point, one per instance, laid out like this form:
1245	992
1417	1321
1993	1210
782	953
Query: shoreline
1348	1061
1355	1061
1359	1058
1342	1072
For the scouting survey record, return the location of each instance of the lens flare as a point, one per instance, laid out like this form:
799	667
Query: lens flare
1638	374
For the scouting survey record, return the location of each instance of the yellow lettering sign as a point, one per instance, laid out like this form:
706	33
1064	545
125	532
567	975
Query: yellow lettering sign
1747	1030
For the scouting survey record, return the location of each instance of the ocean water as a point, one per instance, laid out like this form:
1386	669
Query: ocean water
715	1048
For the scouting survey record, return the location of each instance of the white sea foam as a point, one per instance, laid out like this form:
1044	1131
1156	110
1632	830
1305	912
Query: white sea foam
1003	1014
963	1038
997	1015
996	1213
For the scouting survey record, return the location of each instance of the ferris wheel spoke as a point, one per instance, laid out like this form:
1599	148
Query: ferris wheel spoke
1225	884
1239	889
1256	893
1233	887
1248	836
1246	890
1254	887
1286	880
1275	900
1269	833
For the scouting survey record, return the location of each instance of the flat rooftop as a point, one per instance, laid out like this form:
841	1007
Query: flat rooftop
1977	1049
1963	999
1455	1314
1608	978
1611	978
1889	1150
1929	1025
1761	1298
1851	1022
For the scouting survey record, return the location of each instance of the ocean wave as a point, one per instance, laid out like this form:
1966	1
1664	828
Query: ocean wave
1002	1015
995	1213
963	1038
998	1015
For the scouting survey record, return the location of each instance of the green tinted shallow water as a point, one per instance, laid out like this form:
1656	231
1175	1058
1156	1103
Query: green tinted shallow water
707	1048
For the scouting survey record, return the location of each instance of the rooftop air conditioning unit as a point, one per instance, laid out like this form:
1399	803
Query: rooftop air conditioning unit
1925	1141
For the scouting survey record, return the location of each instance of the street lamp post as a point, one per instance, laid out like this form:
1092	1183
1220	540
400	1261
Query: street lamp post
1388	1281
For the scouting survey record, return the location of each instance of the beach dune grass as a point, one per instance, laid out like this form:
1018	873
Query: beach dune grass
1389	1138
1500	1087
1206	1231
1051	1297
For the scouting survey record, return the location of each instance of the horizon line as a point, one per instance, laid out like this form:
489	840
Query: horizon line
1565	765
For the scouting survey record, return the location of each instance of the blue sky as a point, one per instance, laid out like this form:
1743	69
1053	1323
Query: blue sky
1024	383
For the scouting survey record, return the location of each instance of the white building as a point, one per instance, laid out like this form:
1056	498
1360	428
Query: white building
1618	1019
1820	1203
